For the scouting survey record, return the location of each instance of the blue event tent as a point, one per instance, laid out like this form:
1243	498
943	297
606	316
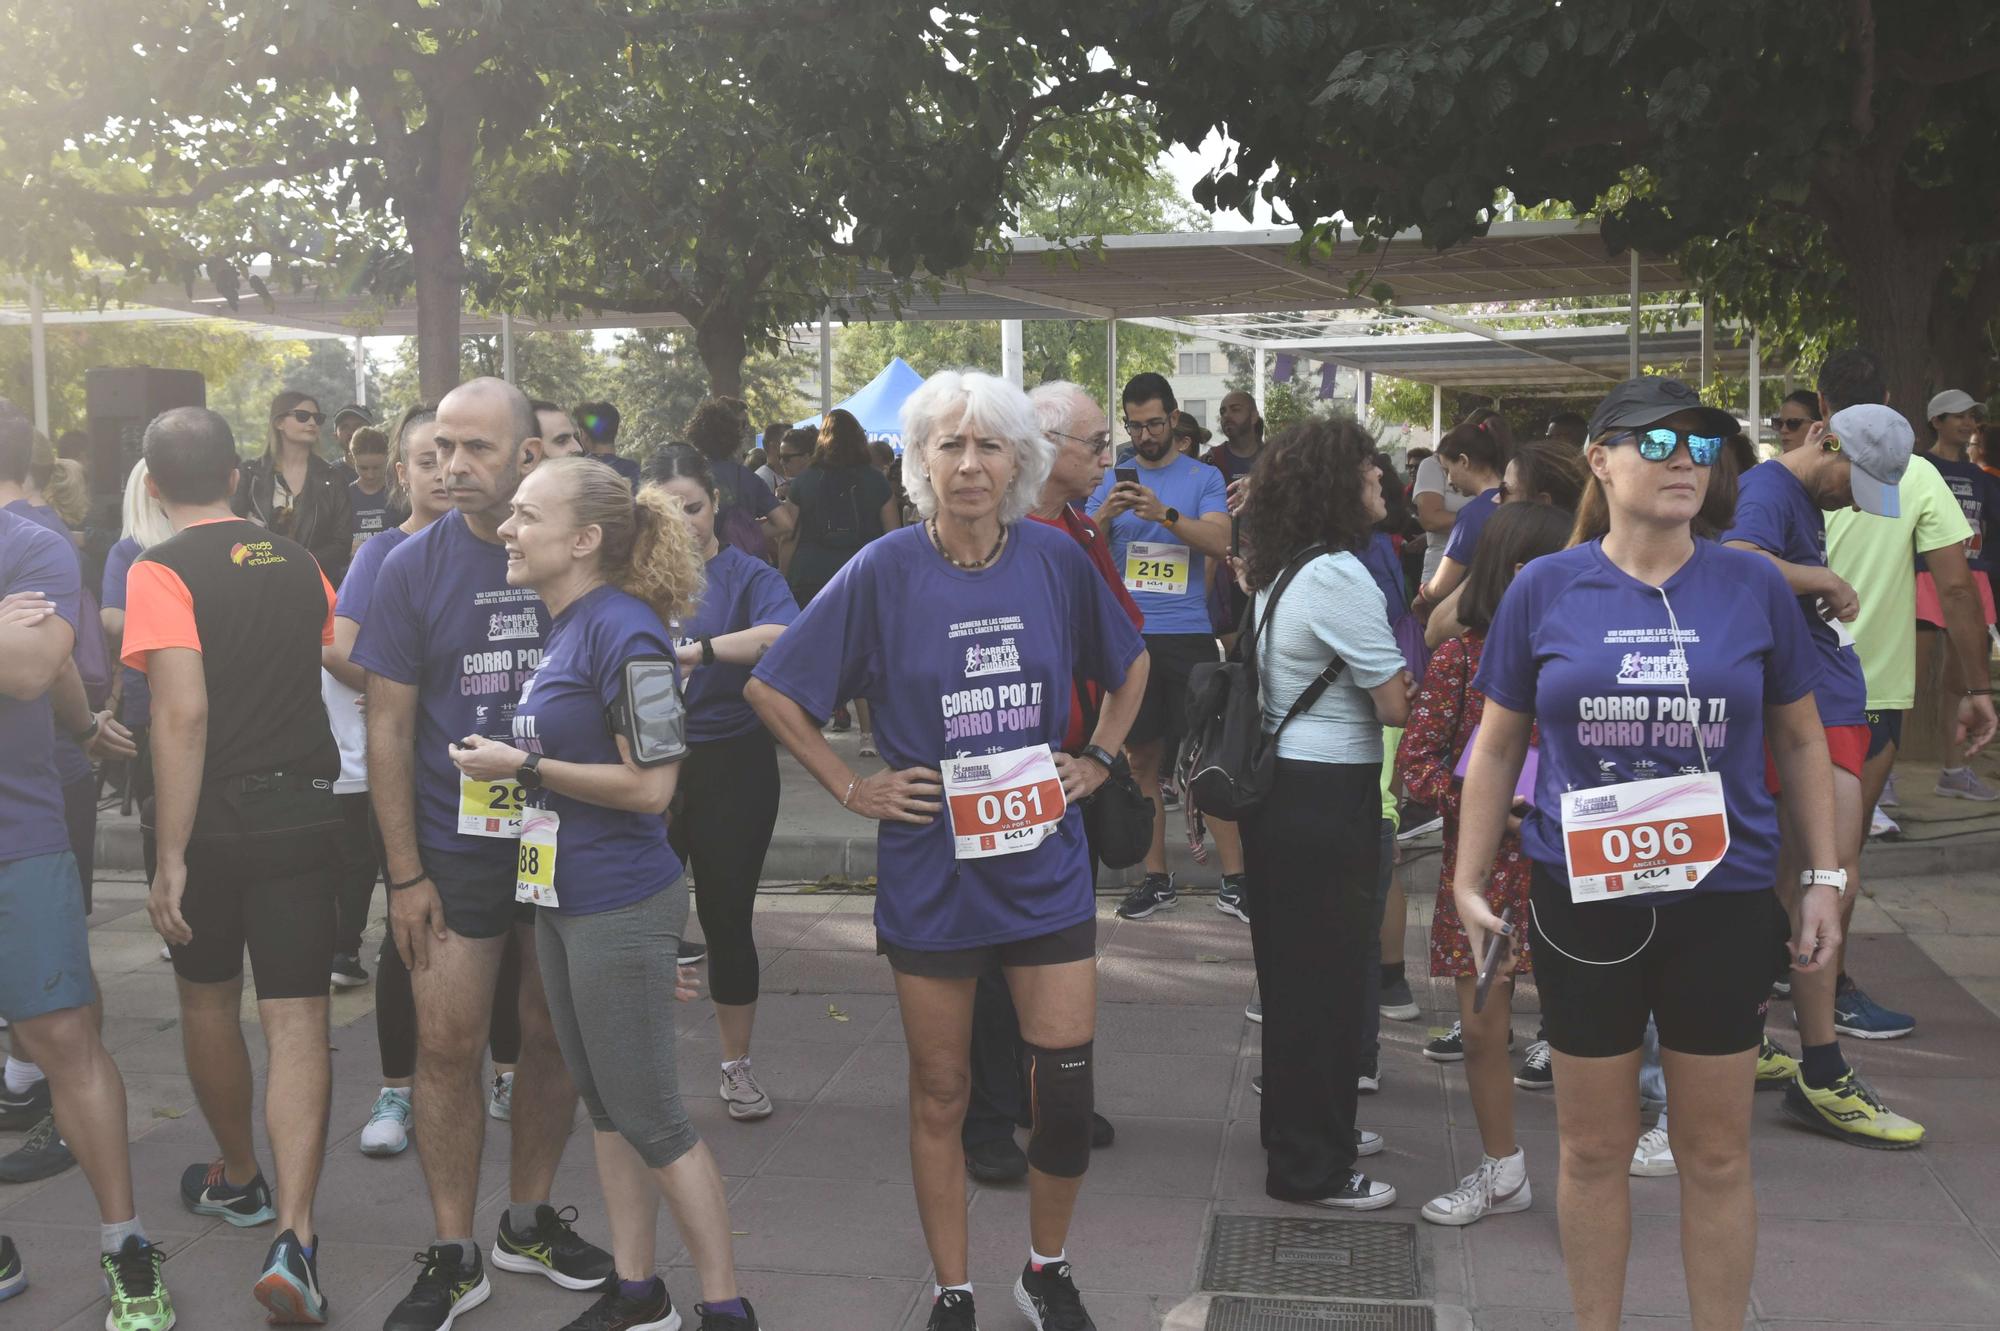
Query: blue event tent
879	406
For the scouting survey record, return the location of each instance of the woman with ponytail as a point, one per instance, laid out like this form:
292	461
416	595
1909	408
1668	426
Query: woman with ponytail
594	858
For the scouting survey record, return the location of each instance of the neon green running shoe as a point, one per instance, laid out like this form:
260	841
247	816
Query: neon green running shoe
1850	1110
139	1299
1776	1069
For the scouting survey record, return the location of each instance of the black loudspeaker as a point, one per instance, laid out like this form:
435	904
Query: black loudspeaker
120	403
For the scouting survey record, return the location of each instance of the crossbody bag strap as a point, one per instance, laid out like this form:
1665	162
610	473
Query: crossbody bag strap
1314	691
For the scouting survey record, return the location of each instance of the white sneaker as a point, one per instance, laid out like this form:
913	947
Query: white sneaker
1495	1188
500	1104
741	1093
1883	826
1889	800
388	1130
1653	1157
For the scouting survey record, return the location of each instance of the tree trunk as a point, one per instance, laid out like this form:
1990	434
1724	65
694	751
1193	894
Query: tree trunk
1897	273
720	342
439	265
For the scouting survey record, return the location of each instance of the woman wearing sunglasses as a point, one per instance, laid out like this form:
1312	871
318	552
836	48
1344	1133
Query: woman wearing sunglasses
1657	666
296	492
1796	415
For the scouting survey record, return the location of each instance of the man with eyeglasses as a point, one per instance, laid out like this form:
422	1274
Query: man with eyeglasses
1167	515
1955	416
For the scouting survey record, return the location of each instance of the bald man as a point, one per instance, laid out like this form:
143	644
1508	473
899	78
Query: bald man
448	645
1242	435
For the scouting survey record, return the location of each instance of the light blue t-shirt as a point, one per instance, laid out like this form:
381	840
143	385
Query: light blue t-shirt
1333	607
1196	489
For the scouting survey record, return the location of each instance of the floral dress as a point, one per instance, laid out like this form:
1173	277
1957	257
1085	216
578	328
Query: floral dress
1441	723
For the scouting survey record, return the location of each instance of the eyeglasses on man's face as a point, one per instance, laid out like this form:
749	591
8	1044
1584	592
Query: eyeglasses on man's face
1096	443
1157	425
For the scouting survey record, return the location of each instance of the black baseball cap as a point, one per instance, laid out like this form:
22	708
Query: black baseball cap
359	413
1648	399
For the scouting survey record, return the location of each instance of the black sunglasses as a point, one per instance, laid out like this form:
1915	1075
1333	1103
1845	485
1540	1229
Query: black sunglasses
302	416
1790	422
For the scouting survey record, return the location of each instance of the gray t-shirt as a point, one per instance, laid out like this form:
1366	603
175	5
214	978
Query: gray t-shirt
1332	607
1431	480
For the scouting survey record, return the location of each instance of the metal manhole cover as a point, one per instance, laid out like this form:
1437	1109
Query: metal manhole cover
1235	1314
1332	1259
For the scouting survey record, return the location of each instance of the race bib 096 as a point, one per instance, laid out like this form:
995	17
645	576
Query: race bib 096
1642	837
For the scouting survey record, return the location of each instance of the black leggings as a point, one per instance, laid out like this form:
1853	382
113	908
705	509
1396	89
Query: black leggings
729	804
360	865
396	1010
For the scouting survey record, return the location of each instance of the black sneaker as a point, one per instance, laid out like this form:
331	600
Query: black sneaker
1048	1299
1450	1047
553	1249
1368	1079
614	1312
205	1191
42	1155
692	952
347	971
999	1161
1538	1070
453	1281
1417	820
1155	893
20	1110
1229	900
13	1275
952	1312
289	1287
715	1321
1361	1193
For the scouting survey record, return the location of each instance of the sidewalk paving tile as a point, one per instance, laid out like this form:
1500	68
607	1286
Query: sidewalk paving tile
1914	1275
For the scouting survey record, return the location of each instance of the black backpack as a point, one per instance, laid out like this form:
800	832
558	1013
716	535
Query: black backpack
835	518
1227	761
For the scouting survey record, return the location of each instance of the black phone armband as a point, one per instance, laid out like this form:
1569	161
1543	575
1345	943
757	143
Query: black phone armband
650	712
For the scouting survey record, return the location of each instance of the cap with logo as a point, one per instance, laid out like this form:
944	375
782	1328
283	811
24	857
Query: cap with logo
1877	440
1649	400
1950	403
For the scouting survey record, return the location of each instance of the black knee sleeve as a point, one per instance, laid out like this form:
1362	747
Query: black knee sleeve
1060	1093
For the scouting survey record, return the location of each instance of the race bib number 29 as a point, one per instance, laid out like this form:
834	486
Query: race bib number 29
489	808
1003	803
1643	837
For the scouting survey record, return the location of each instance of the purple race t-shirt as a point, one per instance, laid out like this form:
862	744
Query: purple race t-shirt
605	858
72	763
1588	651
741	593
33	559
137	708
357	589
443	618
1465	529
958	664
1978	496
1775	514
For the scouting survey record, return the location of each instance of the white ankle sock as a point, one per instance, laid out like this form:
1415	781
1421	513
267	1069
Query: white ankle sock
20	1076
937	1291
1038	1261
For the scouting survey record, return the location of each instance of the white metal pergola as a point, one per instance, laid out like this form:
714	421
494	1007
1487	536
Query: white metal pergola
1252	289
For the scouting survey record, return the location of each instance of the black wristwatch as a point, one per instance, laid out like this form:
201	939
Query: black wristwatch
529	777
1097	755
707	650
1171	516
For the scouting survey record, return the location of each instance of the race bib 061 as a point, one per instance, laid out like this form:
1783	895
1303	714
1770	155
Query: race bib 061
1002	803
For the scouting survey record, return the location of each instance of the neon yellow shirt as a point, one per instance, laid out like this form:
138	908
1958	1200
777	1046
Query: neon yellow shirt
1877	556
1391	737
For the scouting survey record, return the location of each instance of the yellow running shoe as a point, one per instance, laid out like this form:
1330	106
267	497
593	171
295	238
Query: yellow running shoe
1850	1110
1776	1069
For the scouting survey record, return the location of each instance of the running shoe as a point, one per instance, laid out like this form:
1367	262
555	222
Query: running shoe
13	1275
500	1103
1417	820
1781	989
1776	1069
24	1109
205	1191
1155	893
712	1320
1359	1193
42	1155
1889	800
289	1287
1170	794
1495	1188
1962	783
998	1161
1653	1157
451	1282
1254	1010
692	952
1858	1015
1229	898
1048	1299
347	971
553	1249
1882	827
1538	1069
1850	1110
1368	1080
952	1311
139	1300
388	1129
741	1093
1397	1002
1450	1047
613	1311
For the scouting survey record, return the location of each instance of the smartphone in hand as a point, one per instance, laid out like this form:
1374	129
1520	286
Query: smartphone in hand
1489	965
1126	475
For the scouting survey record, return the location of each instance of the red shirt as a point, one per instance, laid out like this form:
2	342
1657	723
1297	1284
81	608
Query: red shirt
1094	545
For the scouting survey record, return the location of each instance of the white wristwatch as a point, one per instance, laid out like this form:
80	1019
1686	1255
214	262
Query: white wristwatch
1833	878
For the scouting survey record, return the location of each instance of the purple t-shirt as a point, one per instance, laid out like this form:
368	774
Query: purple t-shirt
33	559
72	763
357	589
1465	529
1775	514
137	709
741	593
958	664
1978	496
1589	652
443	618
605	858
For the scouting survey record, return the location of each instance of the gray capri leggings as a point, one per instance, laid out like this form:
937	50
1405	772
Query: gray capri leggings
610	983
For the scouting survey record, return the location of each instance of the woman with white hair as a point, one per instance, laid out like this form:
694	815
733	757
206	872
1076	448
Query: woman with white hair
966	633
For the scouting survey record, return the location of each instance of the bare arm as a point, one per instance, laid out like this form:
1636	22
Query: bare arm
1450	573
1488	794
745	647
180	756
1120	707
1443	622
623	785
1798	748
912	795
71	704
392	720
780	521
1392	699
1432	515
1965	625
34	647
1806	580
336	659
